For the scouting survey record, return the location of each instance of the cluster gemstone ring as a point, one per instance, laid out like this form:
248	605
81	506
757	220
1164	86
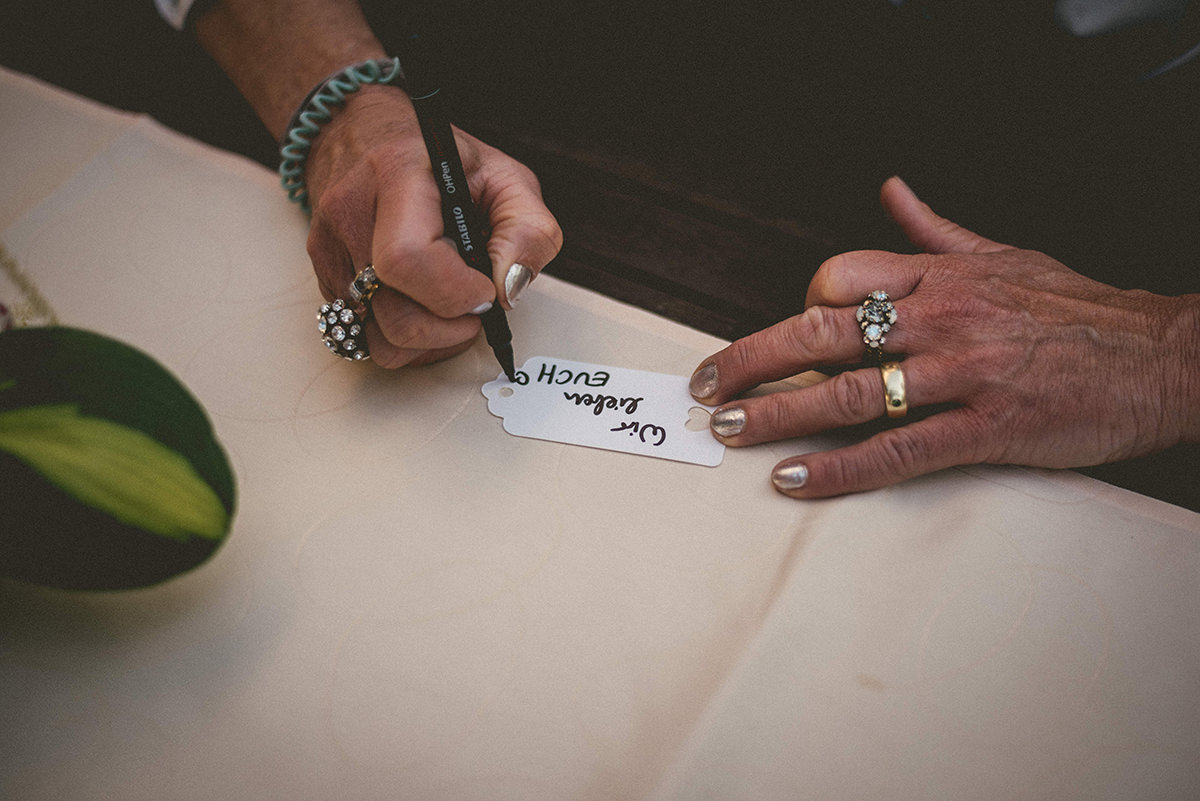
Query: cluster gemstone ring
876	315
341	321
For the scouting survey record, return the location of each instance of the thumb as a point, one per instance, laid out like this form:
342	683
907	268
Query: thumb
525	237
924	228
524	234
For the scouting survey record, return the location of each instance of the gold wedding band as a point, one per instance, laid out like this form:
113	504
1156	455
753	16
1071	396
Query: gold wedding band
893	389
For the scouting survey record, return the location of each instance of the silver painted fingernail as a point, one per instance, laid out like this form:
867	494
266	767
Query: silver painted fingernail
728	422
515	281
481	308
789	476
704	382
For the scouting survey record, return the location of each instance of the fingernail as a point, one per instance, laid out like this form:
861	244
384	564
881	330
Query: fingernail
481	308
728	422
704	382
789	476
515	281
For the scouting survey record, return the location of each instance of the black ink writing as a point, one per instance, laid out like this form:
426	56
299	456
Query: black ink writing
601	402
648	433
555	374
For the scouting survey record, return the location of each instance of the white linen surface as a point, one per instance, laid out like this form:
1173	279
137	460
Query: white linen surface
414	604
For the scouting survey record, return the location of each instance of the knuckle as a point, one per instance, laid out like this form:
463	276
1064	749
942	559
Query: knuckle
740	358
836	475
825	277
852	397
395	258
774	418
520	173
813	332
339	203
549	232
900	453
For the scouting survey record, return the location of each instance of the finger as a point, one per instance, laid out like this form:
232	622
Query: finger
943	440
846	399
332	263
819	336
390	356
411	254
927	230
407	325
525	235
846	279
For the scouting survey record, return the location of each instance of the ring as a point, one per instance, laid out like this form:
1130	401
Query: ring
341	324
893	389
876	316
364	285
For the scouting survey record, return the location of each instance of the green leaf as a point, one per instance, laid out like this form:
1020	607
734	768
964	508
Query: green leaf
110	474
116	469
109	379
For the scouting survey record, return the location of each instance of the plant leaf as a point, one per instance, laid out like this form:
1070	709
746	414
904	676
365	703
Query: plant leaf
116	469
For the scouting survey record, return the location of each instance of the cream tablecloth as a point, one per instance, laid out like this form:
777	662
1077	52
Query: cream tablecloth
414	604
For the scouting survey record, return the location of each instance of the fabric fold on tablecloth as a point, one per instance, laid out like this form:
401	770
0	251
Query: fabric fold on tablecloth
413	602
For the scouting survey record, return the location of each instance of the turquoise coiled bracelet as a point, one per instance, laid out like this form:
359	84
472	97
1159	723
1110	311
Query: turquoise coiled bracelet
317	109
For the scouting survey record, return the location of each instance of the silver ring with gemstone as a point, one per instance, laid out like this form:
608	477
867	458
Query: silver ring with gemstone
876	315
364	285
341	322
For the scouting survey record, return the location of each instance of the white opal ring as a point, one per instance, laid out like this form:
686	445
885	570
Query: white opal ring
876	315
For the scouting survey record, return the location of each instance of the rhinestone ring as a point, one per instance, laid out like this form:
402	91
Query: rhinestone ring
893	389
341	323
876	316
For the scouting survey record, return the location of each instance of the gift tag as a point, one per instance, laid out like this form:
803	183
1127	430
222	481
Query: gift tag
633	411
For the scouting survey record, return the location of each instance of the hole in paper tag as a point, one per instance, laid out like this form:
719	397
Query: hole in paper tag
698	418
614	408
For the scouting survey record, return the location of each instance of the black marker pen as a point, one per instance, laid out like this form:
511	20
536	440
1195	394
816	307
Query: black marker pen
464	222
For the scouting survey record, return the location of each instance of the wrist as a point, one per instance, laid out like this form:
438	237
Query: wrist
318	109
276	52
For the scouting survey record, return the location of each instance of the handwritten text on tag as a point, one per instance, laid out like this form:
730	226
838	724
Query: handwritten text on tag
614	408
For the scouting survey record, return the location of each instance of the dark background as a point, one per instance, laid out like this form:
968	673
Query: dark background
704	158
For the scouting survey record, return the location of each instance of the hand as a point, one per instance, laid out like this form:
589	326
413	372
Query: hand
1030	362
375	201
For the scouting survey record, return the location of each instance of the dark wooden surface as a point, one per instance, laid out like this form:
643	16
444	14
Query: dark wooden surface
702	165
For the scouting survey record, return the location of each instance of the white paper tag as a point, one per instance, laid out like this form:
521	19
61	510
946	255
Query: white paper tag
632	411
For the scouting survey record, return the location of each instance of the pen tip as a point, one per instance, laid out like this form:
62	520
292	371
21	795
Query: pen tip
507	363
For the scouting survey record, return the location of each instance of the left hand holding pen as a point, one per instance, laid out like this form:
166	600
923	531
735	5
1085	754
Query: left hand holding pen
1026	361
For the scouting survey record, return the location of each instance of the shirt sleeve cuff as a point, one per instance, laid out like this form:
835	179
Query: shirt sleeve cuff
174	12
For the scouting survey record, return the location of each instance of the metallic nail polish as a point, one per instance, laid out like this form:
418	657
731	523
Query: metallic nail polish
515	281
481	308
704	381
728	422
789	476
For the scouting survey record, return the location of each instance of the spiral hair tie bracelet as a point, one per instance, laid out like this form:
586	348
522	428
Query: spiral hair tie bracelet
317	109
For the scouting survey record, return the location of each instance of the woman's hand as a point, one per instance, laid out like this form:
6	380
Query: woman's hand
375	201
370	183
1029	363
